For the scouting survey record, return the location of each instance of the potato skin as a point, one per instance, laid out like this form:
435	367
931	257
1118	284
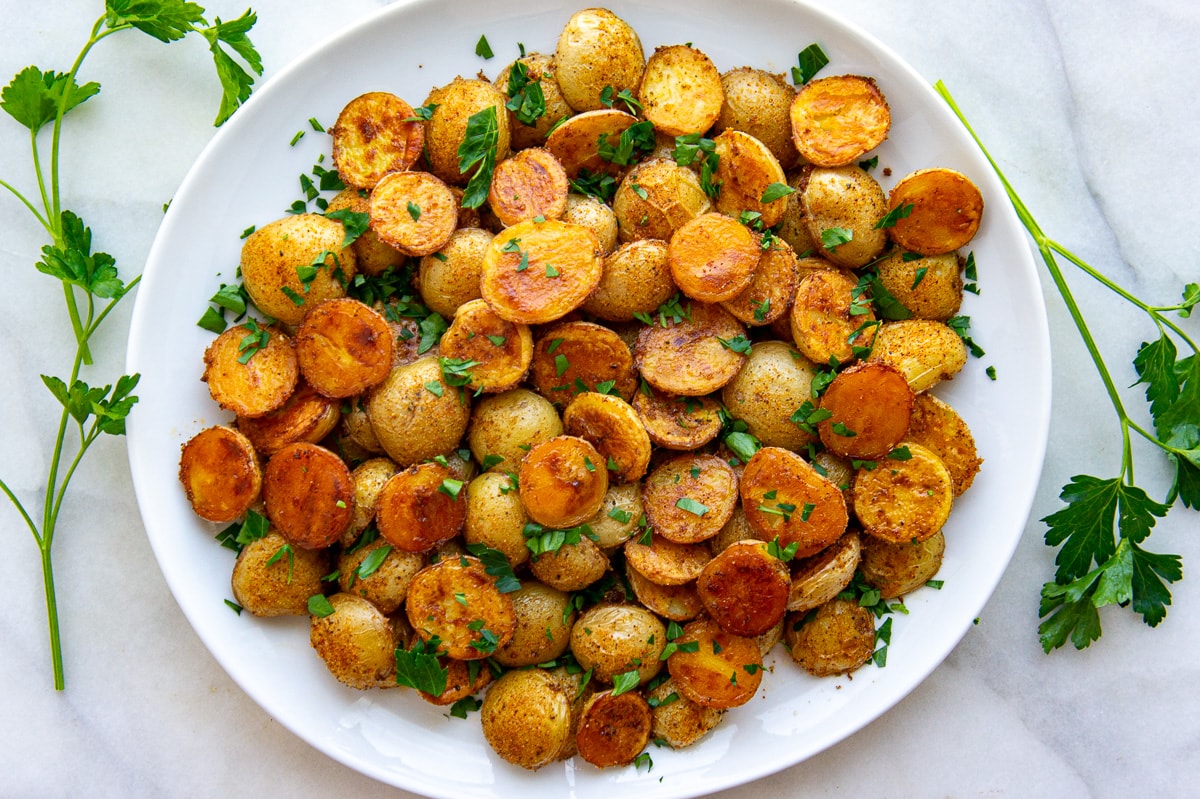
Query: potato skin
506	425
411	421
636	279
613	639
596	49
283	587
272	254
539	68
526	718
357	643
926	351
387	586
774	381
450	277
495	516
543	631
849	198
757	102
446	128
838	639
306	416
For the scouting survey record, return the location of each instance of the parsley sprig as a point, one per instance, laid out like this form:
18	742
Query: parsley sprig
91	287
1105	521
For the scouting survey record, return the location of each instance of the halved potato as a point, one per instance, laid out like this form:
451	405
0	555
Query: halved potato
343	347
415	414
723	671
220	473
746	169
571	567
681	423
421	507
687	357
842	209
838	639
836	120
681	90
614	429
576	142
904	500
673	602
528	184
745	588
386	582
689	498
273	578
757	102
713	257
821	577
613	730
539	69
536	272
772	384
457	602
576	357
308	494
449	277
938	427
375	133
294	263
372	256
930	287
870	407
785	498
635	280
614	639
656	198
619	515
900	568
357	642
415	212
369	478
544	620
828	322
944	211
248	377
924	350
306	416
505	426
495	516
771	290
597	49
563	482
526	717
446	129
594	214
666	562
501	351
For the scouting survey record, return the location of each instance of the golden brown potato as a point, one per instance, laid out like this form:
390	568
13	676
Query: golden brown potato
536	272
904	500
842	208
939	211
713	257
248	377
613	728
378	572
597	216
562	482
614	429
543	630
576	357
526	717
421	507
372	256
635	280
656	198
571	567
745	588
747	169
690	497
462	680
680	423
836	120
900	568
306	416
678	721
681	91
505	426
774	381
674	602
343	347
456	102
309	495
821	577
616	639
597	49
273	578
357	643
369	478
930	287
449	277
294	263
785	498
535	68
665	562
869	406
415	414
221	474
938	427
723	671
456	601
686	357
738	528
757	102
838	638
495	516
527	185
925	351
499	351
576	142
793	226
828	321
769	295
375	133
414	212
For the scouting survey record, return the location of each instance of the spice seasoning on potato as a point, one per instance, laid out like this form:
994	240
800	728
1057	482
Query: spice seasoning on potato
904	500
563	482
220	473
868	407
944	209
536	272
685	356
836	120
251	370
713	257
343	348
309	495
375	133
785	498
294	263
306	416
457	601
420	507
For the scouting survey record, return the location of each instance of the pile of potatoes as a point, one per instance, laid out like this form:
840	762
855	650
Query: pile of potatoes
573	420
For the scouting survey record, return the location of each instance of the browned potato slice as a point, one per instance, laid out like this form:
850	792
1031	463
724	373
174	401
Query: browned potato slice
563	482
686	357
944	210
571	567
636	279
925	350
938	427
539	69
414	212
901	568
459	682
613	730
713	257
420	508
678	721
456	102
689	498
386	581
449	277
746	168
842	209
505	426
501	351
723	671
495	516
673	602
576	357
757	102
296	262
838	639
785	498
594	214
309	495
576	142
656	198
665	562
375	133
769	295
930	287
681	91
614	429
372	256
544	621
772	384
618	516
904	500
220	473
745	588
597	49
306	416
272	578
681	423
247	377
616	639
827	320
415	414
836	120
528	184
343	347
357	642
449	600
870	407
821	577
536	272
526	717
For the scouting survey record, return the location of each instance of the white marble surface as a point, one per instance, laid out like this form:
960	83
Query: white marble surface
1089	108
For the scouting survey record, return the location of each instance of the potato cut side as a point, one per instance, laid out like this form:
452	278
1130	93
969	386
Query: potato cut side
220	473
294	263
613	730
421	507
769	295
495	352
785	498
597	50
529	184
459	682
924	350
372	255
415	414
369	478
828	322
821	577
414	212
713	257
681	91
576	357
306	416
904	500
468	630
375	133
576	142
900	568
838	638
680	423
940	211
689	498
836	120
537	272
745	588
309	495
343	347
614	428
563	482
635	280
248	377
666	562
870	408
747	169
673	602
721	670
526	718
685	356
656	198
938	427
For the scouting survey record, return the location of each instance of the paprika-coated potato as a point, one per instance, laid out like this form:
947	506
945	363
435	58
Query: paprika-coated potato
220	473
273	578
294	263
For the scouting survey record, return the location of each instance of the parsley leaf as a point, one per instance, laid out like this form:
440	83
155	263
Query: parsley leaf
479	148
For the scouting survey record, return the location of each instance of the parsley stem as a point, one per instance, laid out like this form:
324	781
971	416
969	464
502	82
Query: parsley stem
30	206
21	509
52	618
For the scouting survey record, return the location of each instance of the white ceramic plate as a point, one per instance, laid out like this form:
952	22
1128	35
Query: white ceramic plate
248	176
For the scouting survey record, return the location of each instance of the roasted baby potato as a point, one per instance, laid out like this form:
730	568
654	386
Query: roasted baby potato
308	494
446	129
656	198
614	639
723	671
613	728
357	642
842	209
248	377
306	416
379	572
597	49
785	498
904	500
925	351
930	287
713	257
449	277
900	568
294	263
575	357
375	133
528	184
614	429
597	216
745	588
943	207
526	128
938	427
495	516
680	423
494	352
415	414
635	280
758	102
536	272
526	717
576	142
827	322
771	290
273	578
505	426
435	608
689	497
414	212
421	507
543	631
562	482
681	91
343	348
685	356
747	169
838	638
571	567
869	406
220	473
821	577
837	120
774	381
666	562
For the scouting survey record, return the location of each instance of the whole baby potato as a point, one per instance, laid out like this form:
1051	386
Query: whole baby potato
412	421
597	49
614	639
278	256
272	578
